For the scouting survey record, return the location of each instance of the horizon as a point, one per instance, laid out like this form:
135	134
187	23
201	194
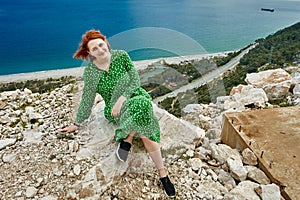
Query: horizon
49	40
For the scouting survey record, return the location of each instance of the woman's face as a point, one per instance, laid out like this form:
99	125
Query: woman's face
98	48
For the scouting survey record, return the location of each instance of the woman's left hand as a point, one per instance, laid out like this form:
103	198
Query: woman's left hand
115	111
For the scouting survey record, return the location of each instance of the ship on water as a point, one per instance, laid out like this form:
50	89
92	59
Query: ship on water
267	9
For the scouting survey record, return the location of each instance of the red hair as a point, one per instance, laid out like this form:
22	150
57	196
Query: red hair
82	51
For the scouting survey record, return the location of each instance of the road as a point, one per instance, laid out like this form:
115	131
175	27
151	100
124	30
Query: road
206	77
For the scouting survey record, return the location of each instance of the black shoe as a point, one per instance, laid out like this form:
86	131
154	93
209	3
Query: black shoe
123	150
168	186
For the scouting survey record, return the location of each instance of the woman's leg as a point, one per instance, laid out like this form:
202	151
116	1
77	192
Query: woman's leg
153	149
130	137
154	152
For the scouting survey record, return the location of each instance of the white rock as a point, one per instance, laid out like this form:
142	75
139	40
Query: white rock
244	190
221	102
226	180
186	132
32	136
221	152
276	83
203	153
257	175
146	182
35	116
213	174
247	94
37	102
10	94
190	153
39	182
237	170
29	100
191	108
279	90
269	192
210	187
263	78
29	110
249	157
49	197
6	142
196	164
296	90
31	192
77	169
7	158
213	133
5	120
296	78
203	118
193	174
58	172
27	91
73	146
18	112
296	101
19	193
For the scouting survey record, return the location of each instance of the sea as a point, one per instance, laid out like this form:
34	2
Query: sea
41	35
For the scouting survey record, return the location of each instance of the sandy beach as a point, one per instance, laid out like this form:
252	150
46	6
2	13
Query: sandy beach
78	71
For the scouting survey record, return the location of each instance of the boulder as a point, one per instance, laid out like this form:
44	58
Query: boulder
263	78
243	96
296	91
175	133
296	78
249	157
244	190
221	152
237	170
226	180
247	95
276	83
269	192
257	175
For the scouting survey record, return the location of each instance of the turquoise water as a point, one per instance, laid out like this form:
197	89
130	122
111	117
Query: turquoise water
41	35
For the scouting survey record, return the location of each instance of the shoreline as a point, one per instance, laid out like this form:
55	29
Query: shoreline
78	71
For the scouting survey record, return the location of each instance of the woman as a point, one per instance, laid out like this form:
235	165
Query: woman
111	73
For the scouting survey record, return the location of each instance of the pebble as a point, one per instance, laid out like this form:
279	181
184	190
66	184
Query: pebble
77	169
31	192
7	158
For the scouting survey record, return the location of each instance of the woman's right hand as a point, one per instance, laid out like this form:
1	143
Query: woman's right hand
68	129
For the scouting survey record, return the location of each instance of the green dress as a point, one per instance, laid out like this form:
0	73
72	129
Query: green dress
121	79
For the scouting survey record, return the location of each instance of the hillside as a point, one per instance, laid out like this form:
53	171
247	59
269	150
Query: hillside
279	50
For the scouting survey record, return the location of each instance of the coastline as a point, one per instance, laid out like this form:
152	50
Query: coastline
78	71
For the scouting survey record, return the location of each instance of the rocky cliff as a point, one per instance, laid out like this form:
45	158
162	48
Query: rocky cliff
37	162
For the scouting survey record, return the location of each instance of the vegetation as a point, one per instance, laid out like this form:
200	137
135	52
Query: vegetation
281	48
157	91
36	85
275	51
220	61
235	78
188	69
181	74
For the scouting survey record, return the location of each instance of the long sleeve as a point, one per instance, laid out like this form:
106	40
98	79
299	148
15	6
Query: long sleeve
134	83
90	78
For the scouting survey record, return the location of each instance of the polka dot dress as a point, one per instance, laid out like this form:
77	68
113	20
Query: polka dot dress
121	79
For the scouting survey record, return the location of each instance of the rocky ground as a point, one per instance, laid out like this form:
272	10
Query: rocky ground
37	162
